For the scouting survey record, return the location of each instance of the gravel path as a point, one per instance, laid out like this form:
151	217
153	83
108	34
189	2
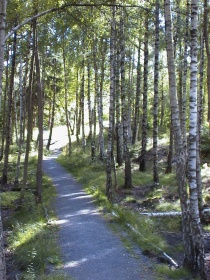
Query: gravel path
90	250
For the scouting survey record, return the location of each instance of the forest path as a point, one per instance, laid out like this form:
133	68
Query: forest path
90	250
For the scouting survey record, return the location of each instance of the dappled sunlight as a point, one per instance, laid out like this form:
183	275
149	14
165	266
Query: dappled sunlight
82	197
26	232
60	222
83	212
72	194
96	256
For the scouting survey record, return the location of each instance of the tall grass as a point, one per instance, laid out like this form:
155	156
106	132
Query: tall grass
31	238
143	230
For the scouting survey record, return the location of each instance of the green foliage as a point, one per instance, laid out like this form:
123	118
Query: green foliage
32	239
143	230
8	198
181	273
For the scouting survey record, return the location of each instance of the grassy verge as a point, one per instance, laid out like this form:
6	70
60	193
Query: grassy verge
31	238
92	176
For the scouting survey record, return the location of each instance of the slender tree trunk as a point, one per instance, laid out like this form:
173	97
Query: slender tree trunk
89	100
184	80
82	102
200	121
206	38
4	105
137	99
170	151
100	99
29	111
109	184
66	99
9	113
40	127
20	140
53	107
180	155
78	109
128	176
142	162
119	125
197	257
3	4
156	96
162	113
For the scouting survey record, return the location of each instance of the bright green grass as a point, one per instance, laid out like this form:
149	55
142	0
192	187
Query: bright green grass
143	230
32	239
8	199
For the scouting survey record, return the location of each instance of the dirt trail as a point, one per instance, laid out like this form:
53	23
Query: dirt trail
90	250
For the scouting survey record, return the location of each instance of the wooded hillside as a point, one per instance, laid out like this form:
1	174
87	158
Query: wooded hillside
130	69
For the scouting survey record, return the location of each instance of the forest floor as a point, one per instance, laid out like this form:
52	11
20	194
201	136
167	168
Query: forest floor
90	250
141	199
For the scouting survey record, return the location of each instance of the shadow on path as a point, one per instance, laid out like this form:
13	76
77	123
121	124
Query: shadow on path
90	250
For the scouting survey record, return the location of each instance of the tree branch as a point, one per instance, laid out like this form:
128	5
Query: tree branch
55	9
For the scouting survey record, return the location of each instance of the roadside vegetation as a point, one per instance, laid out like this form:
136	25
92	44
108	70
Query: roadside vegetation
154	235
30	234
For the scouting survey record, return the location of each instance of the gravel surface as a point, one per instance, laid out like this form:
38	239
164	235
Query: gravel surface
90	250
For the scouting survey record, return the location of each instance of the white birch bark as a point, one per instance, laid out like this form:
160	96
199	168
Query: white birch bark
180	155
109	184
198	242
156	96
3	4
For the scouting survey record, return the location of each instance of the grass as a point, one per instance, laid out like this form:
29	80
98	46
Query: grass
32	239
145	231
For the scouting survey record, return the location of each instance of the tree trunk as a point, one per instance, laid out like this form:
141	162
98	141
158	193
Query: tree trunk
29	111
89	100
137	99
206	38
109	184
180	155
170	151
119	125
142	163
20	141
156	96
9	113
3	4
200	121
128	176
40	128
53	107
100	99
66	99
82	102
197	261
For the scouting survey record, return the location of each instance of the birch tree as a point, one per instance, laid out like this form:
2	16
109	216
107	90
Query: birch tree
197	256
109	184
156	93
191	227
142	163
3	4
180	155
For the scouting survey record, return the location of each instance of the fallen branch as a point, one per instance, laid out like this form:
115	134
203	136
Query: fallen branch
161	214
166	256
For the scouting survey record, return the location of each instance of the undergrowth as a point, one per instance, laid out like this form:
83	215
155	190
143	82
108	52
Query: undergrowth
143	230
32	239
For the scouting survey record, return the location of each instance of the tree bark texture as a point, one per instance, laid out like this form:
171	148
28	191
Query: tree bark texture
109	184
198	260
3	4
9	113
179	151
156	96
142	163
128	176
